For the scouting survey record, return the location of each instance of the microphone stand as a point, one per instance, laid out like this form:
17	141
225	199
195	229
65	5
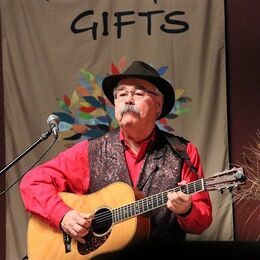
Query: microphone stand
43	137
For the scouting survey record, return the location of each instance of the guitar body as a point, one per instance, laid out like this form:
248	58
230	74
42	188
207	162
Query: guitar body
120	218
46	243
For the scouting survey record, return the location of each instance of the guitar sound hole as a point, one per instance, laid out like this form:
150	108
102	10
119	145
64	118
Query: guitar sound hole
102	221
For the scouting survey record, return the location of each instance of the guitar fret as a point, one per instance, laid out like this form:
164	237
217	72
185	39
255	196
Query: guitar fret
114	216
136	208
125	212
195	186
118	214
154	203
161	198
132	209
121	213
149	203
192	188
145	205
141	206
165	197
129	211
115	212
199	186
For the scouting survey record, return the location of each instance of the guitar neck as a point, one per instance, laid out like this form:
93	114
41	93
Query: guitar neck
154	201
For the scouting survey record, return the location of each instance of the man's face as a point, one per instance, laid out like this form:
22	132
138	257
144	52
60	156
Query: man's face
137	101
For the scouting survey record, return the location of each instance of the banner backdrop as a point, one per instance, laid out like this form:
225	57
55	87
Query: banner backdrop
55	54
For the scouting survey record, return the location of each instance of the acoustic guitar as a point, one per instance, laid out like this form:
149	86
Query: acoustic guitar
119	218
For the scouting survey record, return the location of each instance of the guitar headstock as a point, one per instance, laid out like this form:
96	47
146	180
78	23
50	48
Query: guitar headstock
226	180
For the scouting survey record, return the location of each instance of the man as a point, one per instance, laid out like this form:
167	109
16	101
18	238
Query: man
137	153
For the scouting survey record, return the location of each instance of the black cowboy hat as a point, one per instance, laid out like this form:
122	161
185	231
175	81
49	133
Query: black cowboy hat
139	69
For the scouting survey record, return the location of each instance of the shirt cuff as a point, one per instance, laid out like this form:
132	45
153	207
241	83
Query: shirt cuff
57	214
186	213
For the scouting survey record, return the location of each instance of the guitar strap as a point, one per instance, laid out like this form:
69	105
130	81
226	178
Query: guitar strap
179	146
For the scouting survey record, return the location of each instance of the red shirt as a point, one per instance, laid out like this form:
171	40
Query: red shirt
135	161
69	171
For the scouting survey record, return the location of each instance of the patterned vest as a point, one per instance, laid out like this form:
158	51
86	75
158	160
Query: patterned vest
160	172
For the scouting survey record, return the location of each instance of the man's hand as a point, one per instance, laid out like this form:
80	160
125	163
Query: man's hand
179	202
76	224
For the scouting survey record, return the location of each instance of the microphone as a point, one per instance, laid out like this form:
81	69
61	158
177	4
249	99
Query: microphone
53	122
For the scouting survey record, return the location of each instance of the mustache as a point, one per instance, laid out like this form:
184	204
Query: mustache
129	108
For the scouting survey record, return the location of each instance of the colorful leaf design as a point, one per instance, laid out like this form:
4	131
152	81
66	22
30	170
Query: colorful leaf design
88	77
87	109
64	117
80	129
114	69
93	101
122	64
63	105
184	99
88	113
66	100
85	116
162	70
82	91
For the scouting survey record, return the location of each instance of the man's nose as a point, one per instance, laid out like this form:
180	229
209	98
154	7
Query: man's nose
129	97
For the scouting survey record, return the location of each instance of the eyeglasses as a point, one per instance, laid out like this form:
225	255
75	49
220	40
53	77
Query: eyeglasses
137	94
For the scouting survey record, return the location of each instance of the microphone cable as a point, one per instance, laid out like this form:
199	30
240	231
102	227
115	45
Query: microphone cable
48	148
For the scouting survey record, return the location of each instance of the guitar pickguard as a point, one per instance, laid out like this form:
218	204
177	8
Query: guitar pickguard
92	243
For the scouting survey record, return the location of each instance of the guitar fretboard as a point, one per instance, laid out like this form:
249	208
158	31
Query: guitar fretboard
152	202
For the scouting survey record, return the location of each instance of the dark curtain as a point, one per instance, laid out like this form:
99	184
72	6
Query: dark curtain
243	63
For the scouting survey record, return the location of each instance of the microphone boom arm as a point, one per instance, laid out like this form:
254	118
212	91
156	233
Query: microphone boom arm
43	137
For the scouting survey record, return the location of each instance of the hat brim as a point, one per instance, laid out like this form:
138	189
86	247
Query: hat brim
111	81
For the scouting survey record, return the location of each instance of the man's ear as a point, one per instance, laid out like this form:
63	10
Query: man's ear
159	106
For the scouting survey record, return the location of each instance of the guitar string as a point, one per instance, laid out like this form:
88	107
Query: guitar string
153	199
128	211
107	220
123	212
118	214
